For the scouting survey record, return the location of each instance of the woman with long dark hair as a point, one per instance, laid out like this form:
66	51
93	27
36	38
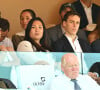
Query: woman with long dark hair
35	37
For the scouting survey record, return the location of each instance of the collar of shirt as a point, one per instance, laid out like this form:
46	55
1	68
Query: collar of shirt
67	78
75	45
63	31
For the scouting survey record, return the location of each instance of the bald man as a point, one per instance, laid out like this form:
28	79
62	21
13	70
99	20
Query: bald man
70	67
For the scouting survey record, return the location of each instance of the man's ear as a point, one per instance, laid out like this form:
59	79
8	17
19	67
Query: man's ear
64	23
62	67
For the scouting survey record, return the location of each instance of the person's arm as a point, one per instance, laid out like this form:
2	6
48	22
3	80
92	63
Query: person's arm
95	76
3	48
98	80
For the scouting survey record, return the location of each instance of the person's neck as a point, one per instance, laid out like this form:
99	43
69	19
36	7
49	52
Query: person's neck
38	42
87	2
73	37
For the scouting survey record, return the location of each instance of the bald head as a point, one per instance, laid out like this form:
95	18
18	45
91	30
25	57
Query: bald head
69	57
70	65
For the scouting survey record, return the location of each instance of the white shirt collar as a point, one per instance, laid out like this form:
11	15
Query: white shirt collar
69	79
75	45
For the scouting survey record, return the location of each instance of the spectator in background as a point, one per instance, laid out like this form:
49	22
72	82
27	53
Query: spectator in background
35	37
94	37
71	79
70	42
6	58
88	12
55	32
6	84
25	16
5	43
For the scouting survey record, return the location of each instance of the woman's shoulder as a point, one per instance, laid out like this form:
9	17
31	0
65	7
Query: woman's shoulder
26	43
25	46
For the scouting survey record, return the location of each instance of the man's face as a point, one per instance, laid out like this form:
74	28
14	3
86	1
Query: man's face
71	25
67	9
71	68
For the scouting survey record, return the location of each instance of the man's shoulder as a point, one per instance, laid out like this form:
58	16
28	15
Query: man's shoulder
85	77
96	8
82	40
62	38
60	83
7	39
95	5
58	26
59	78
76	3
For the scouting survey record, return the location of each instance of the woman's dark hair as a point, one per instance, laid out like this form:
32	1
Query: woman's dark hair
43	42
30	11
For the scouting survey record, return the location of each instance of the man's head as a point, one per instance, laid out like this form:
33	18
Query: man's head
70	23
25	16
70	65
4	28
66	7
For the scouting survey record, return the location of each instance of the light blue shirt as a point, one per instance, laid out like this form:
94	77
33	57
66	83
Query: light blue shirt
6	42
85	82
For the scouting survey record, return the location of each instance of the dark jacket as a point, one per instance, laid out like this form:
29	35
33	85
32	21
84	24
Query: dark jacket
63	45
79	8
54	33
96	46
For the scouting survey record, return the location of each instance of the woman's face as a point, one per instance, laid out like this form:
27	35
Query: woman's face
24	19
36	32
